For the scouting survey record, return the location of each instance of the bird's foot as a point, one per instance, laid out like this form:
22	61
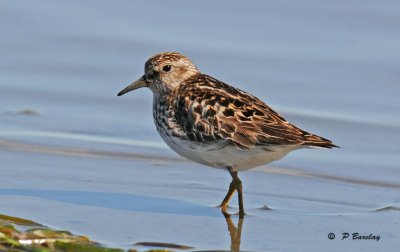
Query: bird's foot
224	206
241	214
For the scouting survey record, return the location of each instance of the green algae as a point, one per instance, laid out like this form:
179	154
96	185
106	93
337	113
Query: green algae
16	220
78	247
21	235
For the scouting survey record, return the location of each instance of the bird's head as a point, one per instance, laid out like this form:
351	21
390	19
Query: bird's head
164	72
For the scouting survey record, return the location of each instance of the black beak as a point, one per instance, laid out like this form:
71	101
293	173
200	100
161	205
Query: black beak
135	85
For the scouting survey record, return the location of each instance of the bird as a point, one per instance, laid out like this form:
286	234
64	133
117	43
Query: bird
215	124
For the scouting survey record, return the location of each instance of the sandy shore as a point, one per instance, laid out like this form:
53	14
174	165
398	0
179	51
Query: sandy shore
142	198
74	156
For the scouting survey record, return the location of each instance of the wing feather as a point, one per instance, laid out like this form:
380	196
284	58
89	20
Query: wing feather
211	111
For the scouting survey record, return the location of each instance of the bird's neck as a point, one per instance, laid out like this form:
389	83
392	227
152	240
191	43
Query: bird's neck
161	100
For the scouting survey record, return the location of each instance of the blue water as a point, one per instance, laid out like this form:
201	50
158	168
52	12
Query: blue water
329	67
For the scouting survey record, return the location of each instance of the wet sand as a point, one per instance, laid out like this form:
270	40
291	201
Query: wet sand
76	157
121	198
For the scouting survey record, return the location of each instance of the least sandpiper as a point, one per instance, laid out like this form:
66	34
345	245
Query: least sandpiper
212	123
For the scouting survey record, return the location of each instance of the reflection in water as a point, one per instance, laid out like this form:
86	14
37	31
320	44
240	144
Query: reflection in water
234	232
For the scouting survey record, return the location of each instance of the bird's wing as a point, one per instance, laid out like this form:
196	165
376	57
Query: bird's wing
209	111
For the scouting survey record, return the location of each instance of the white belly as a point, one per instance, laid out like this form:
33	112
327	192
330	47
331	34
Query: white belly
222	157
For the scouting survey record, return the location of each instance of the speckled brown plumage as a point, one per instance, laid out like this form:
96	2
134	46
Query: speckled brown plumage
213	123
210	110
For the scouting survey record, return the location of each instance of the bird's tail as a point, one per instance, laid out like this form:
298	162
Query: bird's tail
317	141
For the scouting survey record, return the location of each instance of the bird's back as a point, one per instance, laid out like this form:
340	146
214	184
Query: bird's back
210	111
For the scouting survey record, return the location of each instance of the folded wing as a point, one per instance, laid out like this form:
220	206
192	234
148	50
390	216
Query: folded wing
210	111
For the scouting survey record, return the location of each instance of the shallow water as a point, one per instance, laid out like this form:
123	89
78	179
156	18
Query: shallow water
75	156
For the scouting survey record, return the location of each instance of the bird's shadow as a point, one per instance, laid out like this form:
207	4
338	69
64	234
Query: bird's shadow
130	202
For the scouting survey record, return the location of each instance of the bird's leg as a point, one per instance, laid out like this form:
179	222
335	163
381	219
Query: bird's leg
238	185
228	196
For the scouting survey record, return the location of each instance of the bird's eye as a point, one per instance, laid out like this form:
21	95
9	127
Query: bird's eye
167	68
